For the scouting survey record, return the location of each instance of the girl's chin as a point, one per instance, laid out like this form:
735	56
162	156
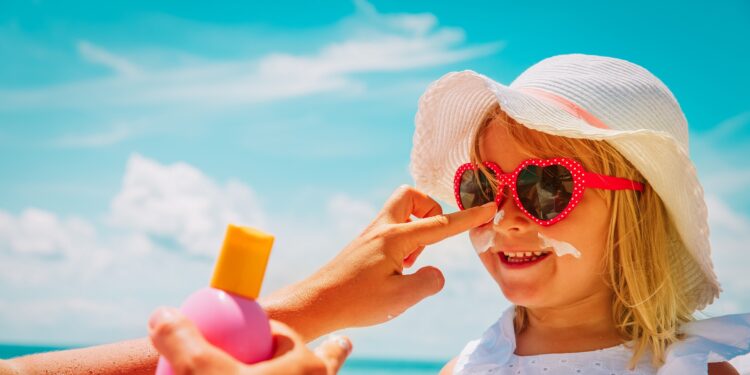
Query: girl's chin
523	294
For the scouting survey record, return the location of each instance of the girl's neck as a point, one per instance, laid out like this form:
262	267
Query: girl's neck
584	325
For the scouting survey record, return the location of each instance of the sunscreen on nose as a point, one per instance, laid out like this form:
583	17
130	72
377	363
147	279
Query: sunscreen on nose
498	217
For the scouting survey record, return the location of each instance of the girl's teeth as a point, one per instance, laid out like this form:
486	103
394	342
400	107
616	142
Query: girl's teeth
523	256
519	260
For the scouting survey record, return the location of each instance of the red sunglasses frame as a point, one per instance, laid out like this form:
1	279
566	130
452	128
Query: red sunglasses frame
581	181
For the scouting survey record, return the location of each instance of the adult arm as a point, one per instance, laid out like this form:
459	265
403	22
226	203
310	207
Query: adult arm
363	285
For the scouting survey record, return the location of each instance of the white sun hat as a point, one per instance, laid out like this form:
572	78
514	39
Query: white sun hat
577	96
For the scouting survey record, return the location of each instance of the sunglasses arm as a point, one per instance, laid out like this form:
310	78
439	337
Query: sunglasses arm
598	181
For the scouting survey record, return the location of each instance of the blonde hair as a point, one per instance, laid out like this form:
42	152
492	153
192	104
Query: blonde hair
649	303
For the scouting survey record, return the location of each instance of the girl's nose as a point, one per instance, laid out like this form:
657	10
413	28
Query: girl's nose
510	219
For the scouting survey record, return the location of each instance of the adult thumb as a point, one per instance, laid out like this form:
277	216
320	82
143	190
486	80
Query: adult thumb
421	284
180	342
333	351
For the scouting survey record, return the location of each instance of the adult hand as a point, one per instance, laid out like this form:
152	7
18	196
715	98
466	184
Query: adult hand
365	284
180	342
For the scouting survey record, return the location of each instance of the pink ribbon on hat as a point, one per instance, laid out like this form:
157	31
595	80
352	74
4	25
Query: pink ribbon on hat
566	105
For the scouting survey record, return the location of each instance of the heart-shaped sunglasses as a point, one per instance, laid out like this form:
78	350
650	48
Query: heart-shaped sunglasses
546	190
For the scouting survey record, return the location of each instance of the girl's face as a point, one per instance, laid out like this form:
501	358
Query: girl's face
555	281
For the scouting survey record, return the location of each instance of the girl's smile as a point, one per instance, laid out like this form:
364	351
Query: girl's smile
529	261
516	260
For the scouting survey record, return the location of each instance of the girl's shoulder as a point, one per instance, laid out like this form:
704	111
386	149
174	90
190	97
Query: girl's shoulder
713	340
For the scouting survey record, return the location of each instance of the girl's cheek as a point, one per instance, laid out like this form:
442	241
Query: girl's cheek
482	238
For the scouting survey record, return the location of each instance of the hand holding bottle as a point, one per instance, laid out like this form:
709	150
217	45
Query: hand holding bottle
178	340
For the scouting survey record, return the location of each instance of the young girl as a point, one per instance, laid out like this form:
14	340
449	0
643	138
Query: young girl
601	238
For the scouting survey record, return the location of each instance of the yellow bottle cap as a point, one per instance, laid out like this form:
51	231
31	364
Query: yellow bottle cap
242	261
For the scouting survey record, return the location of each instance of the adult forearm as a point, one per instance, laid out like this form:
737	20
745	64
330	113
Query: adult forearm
125	357
289	305
363	285
302	307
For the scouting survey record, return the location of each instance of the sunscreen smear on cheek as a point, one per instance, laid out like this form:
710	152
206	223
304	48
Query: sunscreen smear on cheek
560	247
485	237
482	238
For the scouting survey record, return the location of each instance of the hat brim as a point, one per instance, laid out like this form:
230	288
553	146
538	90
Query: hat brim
452	107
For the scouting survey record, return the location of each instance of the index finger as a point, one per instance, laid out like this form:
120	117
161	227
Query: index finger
439	227
407	201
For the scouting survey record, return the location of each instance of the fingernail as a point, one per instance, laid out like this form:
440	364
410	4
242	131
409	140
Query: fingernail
341	341
161	315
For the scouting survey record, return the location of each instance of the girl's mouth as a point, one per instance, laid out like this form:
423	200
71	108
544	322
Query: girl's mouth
522	259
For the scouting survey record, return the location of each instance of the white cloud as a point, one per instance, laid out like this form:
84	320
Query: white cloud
42	233
727	129
112	135
730	239
105	289
721	215
350	215
179	202
381	43
730	242
370	42
39	248
101	56
68	281
720	156
106	282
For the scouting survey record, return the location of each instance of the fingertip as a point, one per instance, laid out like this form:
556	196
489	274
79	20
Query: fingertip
173	336
438	277
487	210
430	279
334	351
162	315
343	342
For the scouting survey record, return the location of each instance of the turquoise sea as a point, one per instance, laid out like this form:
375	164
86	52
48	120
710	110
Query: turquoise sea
353	366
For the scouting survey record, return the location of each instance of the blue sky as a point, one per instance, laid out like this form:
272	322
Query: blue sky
131	132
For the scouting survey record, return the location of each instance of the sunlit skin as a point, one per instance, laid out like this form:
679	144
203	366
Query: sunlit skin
567	298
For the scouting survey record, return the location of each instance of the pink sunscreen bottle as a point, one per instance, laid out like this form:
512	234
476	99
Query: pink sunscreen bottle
226	312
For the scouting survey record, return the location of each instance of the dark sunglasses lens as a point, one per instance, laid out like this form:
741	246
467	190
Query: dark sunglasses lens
545	191
476	189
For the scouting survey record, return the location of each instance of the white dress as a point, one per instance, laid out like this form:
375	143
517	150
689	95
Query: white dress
711	340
